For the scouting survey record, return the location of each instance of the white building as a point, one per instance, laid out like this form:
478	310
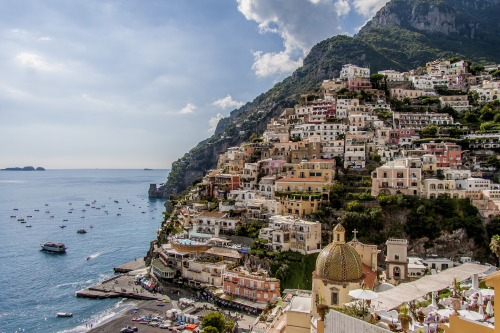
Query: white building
349	72
286	233
474	184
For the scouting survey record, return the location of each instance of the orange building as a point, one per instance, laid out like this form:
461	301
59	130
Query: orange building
257	288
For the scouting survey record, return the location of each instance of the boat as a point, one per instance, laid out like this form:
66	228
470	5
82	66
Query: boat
53	247
91	226
62	226
64	314
65	220
81	231
28	226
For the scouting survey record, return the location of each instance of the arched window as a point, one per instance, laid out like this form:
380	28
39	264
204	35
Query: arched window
397	272
440	186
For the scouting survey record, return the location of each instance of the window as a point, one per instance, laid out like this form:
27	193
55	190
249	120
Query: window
335	298
396	257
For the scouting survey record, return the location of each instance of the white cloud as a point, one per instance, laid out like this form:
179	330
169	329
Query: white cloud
300	23
33	61
227	102
189	108
45	38
267	64
214	121
369	8
343	7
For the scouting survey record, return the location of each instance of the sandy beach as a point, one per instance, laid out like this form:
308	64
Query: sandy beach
145	308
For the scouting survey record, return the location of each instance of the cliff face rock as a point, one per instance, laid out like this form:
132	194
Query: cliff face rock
470	19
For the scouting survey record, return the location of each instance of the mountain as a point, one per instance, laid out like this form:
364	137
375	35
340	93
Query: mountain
403	35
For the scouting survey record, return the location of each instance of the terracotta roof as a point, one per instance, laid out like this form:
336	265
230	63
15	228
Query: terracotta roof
212	214
370	276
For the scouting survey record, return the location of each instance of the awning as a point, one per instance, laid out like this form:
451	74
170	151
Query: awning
407	292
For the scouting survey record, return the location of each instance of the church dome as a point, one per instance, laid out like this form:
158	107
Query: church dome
339	261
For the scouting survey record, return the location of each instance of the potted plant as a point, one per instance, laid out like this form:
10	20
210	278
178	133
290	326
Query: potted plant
456	298
420	316
404	318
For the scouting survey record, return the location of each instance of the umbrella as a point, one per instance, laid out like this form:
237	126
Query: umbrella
480	299
481	311
363	294
489	309
471	315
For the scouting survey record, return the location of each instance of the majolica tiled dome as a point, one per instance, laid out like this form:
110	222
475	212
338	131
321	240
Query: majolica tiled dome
339	261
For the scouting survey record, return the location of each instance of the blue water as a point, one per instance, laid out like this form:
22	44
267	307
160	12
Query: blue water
35	285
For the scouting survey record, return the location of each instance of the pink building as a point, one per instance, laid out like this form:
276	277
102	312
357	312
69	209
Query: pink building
359	83
447	153
271	167
398	136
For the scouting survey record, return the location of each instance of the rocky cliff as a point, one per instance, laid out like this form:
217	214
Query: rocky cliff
405	34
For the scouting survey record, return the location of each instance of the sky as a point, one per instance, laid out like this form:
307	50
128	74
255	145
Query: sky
138	83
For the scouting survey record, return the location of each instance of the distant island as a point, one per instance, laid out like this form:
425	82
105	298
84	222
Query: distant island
26	168
146	169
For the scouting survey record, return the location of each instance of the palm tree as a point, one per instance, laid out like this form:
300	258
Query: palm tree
495	245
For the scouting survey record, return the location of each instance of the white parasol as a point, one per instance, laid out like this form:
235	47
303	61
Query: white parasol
489	309
480	299
363	294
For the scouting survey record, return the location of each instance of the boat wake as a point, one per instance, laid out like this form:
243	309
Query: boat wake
95	255
103	317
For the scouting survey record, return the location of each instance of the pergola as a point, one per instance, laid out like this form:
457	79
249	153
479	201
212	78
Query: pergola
407	292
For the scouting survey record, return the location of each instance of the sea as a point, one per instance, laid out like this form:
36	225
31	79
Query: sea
111	205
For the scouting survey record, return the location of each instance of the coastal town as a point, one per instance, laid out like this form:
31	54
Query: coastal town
286	201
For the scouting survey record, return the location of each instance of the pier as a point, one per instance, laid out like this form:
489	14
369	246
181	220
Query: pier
131	266
119	286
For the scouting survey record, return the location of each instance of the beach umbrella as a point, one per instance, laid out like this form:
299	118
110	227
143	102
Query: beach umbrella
489	309
471	315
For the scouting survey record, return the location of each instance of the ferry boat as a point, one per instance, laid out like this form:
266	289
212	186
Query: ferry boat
53	247
64	314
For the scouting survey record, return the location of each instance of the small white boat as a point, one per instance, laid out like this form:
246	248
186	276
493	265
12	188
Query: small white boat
64	314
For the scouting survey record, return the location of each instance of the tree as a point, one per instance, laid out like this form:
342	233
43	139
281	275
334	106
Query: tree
495	245
375	80
216	320
493	161
210	329
471	117
229	326
430	131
